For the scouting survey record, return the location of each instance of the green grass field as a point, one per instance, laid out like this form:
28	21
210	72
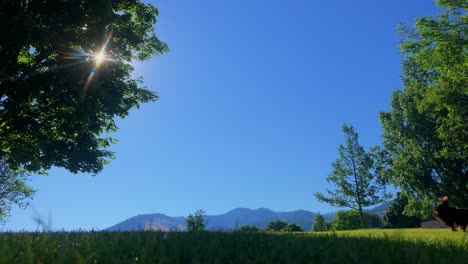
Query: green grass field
360	246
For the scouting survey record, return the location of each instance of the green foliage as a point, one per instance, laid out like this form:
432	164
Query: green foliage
319	223
196	222
372	220
276	225
353	174
346	220
13	190
350	220
292	228
56	103
425	134
249	229
362	246
453	3
395	217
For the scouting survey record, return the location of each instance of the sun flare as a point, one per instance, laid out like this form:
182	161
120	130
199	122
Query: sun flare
99	58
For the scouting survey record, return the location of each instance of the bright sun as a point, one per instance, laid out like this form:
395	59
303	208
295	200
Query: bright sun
99	58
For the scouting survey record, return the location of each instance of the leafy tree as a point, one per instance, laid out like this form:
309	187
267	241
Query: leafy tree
353	174
292	228
13	190
276	225
65	74
394	216
196	221
350	220
425	133
249	229
319	223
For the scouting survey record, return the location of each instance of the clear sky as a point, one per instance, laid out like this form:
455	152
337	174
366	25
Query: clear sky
253	95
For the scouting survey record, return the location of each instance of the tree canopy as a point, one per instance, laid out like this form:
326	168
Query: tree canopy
453	3
425	133
65	74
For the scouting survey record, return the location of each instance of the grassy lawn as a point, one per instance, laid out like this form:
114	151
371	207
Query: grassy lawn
427	236
361	246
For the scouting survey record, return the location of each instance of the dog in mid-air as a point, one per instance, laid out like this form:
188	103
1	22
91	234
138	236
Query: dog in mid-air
451	215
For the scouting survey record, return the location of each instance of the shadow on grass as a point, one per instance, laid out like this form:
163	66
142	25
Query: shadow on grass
218	247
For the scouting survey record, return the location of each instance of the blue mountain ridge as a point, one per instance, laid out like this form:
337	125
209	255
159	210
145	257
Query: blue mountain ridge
228	221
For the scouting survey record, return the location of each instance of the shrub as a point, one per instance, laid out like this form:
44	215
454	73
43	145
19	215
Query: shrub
349	220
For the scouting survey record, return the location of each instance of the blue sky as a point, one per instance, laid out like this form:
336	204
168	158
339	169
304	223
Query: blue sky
253	95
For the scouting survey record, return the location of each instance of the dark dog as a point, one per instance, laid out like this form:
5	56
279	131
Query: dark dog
451	215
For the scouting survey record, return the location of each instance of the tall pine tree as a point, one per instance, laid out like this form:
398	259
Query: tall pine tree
353	174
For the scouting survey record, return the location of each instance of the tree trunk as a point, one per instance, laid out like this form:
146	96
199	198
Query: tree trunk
361	216
358	196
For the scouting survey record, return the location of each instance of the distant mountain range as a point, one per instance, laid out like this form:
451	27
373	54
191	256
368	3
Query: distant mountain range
228	221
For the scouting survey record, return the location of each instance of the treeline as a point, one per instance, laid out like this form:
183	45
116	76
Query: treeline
393	217
343	220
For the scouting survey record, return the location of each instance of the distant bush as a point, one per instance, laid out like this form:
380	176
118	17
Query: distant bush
276	225
249	229
292	228
349	220
319	223
394	217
